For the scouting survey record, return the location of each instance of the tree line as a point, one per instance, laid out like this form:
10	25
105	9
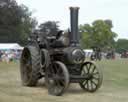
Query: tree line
17	23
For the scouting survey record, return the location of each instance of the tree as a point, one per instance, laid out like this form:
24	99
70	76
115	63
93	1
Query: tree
121	45
27	25
49	28
99	34
15	22
86	38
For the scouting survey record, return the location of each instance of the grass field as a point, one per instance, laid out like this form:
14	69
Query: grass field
114	88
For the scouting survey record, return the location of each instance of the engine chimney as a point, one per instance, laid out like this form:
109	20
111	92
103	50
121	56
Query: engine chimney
74	36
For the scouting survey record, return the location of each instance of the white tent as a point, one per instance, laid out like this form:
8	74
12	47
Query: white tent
9	46
88	52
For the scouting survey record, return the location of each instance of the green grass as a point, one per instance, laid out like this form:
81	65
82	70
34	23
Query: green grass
114	87
115	73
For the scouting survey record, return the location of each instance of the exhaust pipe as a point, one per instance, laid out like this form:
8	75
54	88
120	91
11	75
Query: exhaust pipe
74	36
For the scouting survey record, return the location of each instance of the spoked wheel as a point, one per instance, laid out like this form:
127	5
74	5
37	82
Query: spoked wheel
94	79
29	66
57	78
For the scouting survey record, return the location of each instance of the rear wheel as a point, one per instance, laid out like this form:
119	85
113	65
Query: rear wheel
57	78
30	66
95	77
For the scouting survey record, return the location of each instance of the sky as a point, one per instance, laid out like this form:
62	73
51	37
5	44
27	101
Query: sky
90	10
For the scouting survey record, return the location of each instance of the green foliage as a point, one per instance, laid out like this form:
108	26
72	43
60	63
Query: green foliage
15	22
121	45
49	28
87	32
98	34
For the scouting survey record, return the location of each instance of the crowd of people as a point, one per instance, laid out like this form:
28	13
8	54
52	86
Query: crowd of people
10	55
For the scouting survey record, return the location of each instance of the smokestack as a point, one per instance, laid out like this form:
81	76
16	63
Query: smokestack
74	36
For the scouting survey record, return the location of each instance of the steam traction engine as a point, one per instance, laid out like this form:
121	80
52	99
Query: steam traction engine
60	60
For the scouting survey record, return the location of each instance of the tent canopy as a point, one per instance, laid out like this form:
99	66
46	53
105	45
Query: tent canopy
9	46
88	50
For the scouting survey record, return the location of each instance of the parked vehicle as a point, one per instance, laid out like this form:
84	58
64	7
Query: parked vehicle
59	59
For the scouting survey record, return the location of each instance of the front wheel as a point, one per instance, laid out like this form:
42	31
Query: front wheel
95	77
57	78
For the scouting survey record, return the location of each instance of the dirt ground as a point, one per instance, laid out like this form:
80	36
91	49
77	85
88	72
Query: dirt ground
114	88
